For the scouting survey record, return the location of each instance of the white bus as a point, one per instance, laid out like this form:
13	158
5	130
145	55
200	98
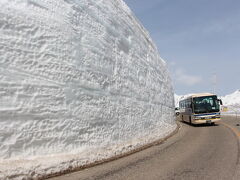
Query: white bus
200	108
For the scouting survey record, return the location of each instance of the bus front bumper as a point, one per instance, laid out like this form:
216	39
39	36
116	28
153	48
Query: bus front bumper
207	121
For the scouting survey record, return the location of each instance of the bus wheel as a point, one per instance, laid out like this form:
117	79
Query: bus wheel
190	120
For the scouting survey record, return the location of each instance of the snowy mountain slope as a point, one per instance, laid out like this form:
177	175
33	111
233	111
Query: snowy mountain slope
79	81
232	102
232	99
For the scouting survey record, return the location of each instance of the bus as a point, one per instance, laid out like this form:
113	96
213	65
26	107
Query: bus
200	108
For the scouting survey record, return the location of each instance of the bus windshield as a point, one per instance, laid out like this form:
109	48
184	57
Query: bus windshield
206	104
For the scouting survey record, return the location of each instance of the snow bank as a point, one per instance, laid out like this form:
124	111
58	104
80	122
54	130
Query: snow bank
232	103
80	80
177	98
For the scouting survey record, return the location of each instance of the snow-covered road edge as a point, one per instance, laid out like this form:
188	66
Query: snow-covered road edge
55	165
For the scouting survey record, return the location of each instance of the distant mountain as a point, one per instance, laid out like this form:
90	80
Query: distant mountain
232	99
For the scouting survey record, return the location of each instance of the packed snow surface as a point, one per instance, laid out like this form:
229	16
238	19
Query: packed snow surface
80	81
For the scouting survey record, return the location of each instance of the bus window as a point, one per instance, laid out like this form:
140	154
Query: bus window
206	104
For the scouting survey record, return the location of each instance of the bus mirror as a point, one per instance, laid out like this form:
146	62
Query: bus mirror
220	101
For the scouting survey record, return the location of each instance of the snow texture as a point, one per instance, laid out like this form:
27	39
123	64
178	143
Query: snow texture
232	102
80	81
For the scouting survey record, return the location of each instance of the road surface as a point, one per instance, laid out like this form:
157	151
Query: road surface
195	152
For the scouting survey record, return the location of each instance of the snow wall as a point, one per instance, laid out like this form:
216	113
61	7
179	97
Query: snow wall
77	76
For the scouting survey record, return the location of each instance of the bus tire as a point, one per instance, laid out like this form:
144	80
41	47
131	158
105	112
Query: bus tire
190	120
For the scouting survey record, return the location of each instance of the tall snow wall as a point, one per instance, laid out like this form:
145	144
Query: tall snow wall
78	76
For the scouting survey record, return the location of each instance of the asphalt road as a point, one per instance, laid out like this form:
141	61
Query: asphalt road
195	152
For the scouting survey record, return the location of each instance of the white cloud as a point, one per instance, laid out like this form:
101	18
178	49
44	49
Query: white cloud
172	63
183	78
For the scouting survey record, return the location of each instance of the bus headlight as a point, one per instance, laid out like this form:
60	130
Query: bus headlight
197	118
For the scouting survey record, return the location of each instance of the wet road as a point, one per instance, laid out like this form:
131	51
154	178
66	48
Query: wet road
195	152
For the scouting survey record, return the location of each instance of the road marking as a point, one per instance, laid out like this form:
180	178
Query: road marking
233	129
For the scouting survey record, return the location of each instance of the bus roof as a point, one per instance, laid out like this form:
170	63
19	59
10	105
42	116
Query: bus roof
198	95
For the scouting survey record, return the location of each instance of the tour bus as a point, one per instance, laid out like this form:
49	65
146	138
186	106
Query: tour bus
200	108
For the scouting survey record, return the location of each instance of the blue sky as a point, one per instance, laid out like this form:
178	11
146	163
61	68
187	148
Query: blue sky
198	39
